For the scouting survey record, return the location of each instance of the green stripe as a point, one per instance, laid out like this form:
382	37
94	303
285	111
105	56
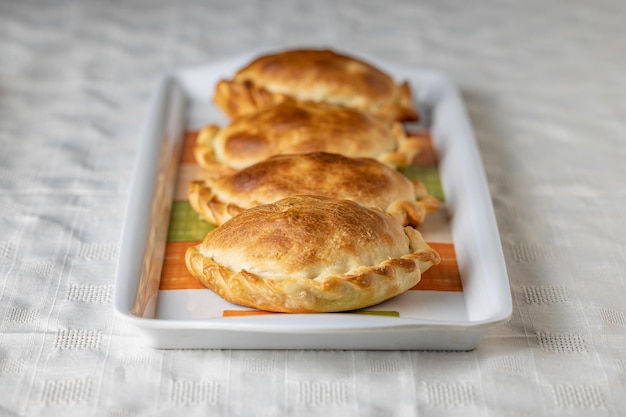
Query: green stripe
429	175
186	225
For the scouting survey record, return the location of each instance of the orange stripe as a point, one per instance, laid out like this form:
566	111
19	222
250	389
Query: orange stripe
240	313
186	156
174	275
446	275
427	154
243	313
442	277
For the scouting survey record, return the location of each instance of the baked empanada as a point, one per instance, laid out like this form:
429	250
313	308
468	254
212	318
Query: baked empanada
315	75
364	180
308	254
303	127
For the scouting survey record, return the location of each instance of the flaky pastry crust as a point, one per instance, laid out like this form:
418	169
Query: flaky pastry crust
302	127
315	75
364	180
310	254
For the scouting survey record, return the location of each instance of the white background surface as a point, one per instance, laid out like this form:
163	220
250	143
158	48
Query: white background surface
544	85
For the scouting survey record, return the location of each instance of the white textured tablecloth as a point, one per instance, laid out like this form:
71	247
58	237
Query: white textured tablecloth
545	86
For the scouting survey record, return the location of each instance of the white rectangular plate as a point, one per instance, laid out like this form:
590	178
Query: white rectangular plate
434	319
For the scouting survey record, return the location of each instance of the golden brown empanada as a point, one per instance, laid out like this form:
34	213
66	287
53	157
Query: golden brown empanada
303	127
315	75
364	180
309	254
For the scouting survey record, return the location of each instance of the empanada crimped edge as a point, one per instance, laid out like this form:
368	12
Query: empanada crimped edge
359	287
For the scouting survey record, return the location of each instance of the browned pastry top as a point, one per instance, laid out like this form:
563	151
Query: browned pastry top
303	127
310	254
363	180
315	75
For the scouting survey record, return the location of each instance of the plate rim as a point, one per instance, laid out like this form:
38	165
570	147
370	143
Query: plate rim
131	241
